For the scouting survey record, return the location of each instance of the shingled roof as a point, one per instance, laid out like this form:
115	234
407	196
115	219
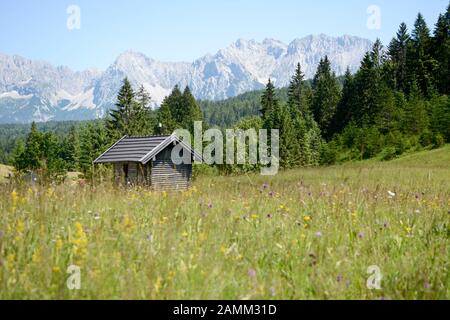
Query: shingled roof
139	149
130	149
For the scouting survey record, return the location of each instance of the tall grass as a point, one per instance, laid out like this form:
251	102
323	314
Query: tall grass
303	234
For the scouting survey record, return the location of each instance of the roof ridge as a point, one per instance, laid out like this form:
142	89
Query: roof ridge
156	136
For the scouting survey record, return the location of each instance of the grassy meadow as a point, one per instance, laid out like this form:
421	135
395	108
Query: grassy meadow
302	234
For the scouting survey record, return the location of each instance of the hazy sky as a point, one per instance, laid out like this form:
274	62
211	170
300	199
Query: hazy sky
182	30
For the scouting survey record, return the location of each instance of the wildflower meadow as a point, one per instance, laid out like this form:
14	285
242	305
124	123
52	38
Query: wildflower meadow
367	230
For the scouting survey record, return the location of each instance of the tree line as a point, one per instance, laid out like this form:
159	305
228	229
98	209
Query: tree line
397	100
51	155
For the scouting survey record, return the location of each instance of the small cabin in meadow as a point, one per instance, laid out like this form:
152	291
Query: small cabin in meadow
148	161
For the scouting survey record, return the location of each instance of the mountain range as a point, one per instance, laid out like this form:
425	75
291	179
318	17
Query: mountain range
34	90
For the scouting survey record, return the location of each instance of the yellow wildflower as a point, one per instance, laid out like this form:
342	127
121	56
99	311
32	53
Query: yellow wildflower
10	259
37	255
306	218
171	275
127	223
58	244
163	220
20	227
14	198
158	284
79	243
203	236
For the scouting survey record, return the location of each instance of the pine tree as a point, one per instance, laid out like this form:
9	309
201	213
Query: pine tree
53	167
302	119
398	54
344	111
326	96
33	152
269	102
421	62
69	150
142	121
120	121
289	147
441	52
93	141
387	119
175	103
297	100
165	122
440	116
192	110
18	159
415	119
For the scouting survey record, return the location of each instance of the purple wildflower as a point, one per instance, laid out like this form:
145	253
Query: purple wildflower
252	273
269	216
265	185
360	235
318	234
210	205
426	285
271	193
339	278
272	291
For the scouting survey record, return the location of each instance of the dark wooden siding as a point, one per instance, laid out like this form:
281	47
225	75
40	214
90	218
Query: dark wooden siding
168	176
161	173
165	175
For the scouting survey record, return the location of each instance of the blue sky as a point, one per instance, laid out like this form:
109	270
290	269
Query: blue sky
182	30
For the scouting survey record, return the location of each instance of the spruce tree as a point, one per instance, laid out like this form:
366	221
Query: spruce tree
142	121
120	121
269	102
415	119
326	95
289	147
175	103
165	122
33	152
344	111
440	116
69	150
297	101
441	52
18	159
397	51
192	110
420	61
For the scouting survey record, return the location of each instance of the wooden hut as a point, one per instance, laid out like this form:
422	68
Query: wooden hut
147	161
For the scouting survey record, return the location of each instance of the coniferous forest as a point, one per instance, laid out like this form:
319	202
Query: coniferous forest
397	101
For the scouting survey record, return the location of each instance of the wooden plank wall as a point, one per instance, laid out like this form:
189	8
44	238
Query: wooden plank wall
168	176
161	173
165	175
